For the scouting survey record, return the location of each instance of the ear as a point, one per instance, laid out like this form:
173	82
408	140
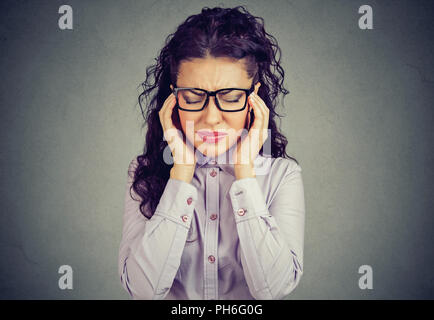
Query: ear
171	87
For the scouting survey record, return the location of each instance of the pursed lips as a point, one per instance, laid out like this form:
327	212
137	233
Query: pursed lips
211	135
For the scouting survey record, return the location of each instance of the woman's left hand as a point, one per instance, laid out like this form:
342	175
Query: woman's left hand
248	147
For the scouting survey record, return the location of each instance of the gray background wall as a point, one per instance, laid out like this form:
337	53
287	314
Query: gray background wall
358	119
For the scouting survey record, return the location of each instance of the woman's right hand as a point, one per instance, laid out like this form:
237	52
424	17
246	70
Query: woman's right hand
183	156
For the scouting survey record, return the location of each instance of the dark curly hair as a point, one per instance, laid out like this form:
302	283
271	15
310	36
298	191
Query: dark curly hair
218	32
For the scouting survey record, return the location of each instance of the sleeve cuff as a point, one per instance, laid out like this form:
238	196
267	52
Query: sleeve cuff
177	202
247	199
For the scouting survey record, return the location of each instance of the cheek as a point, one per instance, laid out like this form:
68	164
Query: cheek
182	120
237	121
188	121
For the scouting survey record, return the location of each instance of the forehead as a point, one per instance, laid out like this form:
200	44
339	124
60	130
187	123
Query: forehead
213	73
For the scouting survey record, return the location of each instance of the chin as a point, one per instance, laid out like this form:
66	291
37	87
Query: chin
213	153
213	149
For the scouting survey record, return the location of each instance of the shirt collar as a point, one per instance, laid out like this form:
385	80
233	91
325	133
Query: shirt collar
223	161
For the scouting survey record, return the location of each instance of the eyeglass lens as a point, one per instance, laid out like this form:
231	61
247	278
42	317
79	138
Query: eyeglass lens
195	99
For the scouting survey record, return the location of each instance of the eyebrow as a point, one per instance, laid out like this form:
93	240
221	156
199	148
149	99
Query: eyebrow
200	93
237	87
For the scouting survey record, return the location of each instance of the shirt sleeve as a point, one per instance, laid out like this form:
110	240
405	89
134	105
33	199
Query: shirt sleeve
271	239
151	249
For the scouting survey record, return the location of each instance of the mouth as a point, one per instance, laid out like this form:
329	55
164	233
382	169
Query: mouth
211	136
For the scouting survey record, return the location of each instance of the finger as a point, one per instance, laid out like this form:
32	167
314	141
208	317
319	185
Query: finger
167	109
248	115
264	134
265	111
169	130
251	109
257	123
253	135
161	112
166	112
261	105
163	108
263	124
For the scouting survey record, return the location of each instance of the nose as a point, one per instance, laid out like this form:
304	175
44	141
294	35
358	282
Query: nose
212	114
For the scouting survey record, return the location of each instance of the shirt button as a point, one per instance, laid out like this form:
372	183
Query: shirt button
184	218
241	212
189	200
213	216
213	173
211	259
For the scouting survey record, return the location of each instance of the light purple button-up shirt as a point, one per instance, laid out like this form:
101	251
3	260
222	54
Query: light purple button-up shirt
217	237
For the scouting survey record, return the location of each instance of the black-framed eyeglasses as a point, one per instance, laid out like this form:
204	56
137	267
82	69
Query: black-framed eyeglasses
227	99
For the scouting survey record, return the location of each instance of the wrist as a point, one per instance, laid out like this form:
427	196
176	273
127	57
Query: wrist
244	171
182	172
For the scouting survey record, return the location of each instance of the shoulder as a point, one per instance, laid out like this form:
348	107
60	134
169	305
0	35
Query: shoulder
275	167
274	173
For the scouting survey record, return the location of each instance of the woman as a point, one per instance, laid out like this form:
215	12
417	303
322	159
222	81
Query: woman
208	214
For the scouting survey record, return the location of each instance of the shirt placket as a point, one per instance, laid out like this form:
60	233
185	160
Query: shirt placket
211	234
